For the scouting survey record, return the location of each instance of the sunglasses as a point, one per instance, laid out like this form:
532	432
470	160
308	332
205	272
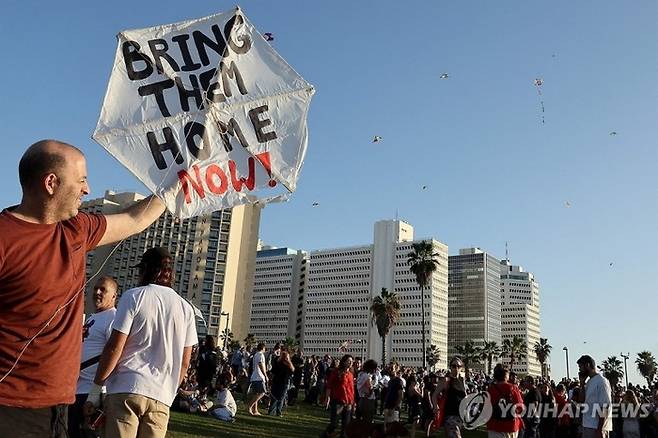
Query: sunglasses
455	365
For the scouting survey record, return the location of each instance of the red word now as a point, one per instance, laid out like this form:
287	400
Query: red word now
214	179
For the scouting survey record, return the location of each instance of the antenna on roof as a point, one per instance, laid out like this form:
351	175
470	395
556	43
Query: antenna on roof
396	214
506	253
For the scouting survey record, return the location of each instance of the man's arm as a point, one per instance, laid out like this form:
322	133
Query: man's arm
110	357
132	220
187	356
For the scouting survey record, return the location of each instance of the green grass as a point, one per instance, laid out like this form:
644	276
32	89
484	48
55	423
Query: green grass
299	421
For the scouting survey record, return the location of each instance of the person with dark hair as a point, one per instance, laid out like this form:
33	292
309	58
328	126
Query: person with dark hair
446	399
43	246
282	370
224	407
148	354
548	421
597	399
207	363
339	395
96	332
366	390
506	402
257	379
532	401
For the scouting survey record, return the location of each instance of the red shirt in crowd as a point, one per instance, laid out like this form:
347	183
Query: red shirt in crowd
42	267
510	393
341	387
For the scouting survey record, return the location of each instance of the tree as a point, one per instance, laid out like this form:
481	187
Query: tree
290	343
489	352
385	310
647	366
433	355
470	354
250	341
516	348
226	336
542	351
234	345
612	370
423	263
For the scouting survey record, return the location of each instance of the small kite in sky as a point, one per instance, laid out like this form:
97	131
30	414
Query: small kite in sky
268	36
424	187
613	133
611	264
444	76
538	83
567	204
315	204
376	139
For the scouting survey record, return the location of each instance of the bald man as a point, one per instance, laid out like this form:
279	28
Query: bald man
43	244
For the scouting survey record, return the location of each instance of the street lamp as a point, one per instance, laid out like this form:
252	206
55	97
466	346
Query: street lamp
625	356
566	352
228	318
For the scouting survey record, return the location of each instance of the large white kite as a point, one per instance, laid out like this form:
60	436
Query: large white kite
206	114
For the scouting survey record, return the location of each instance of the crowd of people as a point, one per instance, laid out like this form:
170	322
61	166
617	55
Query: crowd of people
364	399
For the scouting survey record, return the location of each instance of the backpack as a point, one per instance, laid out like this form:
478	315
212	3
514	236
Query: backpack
497	399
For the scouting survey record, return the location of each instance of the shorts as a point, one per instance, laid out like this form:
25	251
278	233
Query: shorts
257	387
391	416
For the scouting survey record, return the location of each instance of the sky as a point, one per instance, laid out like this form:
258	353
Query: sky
494	172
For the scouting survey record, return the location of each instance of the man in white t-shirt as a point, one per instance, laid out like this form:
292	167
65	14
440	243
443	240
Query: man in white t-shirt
597	399
95	333
148	353
258	379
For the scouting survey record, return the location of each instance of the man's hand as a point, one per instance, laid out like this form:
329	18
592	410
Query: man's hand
94	396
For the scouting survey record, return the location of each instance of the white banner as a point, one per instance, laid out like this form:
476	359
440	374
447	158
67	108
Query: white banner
206	114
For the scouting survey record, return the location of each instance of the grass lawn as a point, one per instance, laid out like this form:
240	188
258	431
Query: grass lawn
299	421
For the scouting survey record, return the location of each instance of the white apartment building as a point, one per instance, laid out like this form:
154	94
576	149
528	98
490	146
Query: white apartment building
214	257
278	295
342	283
520	313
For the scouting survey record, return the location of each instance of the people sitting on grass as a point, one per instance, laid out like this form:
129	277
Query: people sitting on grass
224	408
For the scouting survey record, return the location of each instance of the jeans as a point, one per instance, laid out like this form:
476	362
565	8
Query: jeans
337	408
34	422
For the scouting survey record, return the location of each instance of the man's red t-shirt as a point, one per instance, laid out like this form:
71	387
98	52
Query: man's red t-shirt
510	393
42	267
341	387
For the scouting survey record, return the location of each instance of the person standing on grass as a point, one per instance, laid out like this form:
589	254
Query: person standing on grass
148	354
258	379
365	386
597	397
339	395
282	370
504	395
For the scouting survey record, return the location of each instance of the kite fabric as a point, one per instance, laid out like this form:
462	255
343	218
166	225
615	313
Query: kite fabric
206	114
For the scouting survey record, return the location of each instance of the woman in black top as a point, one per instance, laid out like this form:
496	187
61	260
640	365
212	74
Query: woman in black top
282	370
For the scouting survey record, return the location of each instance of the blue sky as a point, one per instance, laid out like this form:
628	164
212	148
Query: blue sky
494	172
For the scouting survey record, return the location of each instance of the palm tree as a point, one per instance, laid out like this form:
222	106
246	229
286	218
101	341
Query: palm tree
290	343
226	336
542	351
433	355
489	352
647	366
612	370
470	354
423	262
516	348
385	310
250	341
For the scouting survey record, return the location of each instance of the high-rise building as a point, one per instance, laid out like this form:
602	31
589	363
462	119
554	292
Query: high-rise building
278	295
214	258
520	314
342	283
474	312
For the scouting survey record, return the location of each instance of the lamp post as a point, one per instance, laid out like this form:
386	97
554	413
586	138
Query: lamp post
228	318
566	353
625	356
